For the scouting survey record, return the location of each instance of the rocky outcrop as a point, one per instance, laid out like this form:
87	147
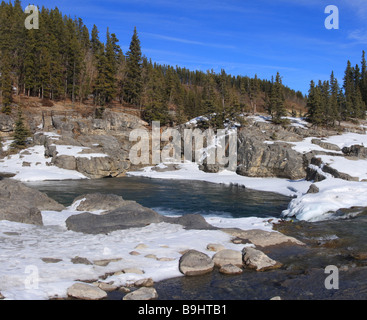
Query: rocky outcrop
106	138
20	203
259	159
194	263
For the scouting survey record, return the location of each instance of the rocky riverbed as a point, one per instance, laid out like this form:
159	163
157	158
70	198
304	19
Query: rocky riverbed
111	218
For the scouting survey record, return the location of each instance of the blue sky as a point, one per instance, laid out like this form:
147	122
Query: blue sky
243	37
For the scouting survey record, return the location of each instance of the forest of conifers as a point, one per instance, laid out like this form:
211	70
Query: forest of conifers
63	60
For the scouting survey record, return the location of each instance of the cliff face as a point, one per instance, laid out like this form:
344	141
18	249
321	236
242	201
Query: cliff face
104	143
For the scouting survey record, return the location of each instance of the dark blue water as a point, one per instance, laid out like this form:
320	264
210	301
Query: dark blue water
174	197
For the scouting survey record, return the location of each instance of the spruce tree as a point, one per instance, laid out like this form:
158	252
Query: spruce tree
314	106
6	82
133	80
276	105
333	113
363	83
20	133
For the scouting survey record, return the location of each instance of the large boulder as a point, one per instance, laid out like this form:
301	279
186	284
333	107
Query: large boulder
130	215
194	263
20	203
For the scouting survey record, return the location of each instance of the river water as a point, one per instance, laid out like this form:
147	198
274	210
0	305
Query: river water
342	243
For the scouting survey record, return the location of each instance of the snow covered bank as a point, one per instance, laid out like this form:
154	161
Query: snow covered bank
36	262
334	194
190	171
31	165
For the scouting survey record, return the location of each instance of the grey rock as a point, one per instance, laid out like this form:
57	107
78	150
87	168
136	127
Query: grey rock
313	189
131	215
190	222
228	256
20	203
336	174
355	151
81	260
7	123
230	269
64	162
262	238
258	260
144	293
194	263
325	145
258	159
99	201
144	283
85	291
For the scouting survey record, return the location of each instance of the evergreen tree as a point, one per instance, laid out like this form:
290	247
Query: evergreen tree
348	108
6	82
333	114
363	83
276	106
314	106
20	133
133	80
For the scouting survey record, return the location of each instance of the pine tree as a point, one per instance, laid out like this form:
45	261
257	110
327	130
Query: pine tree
133	80
276	105
6	82
348	108
314	106
20	133
363	83
333	113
